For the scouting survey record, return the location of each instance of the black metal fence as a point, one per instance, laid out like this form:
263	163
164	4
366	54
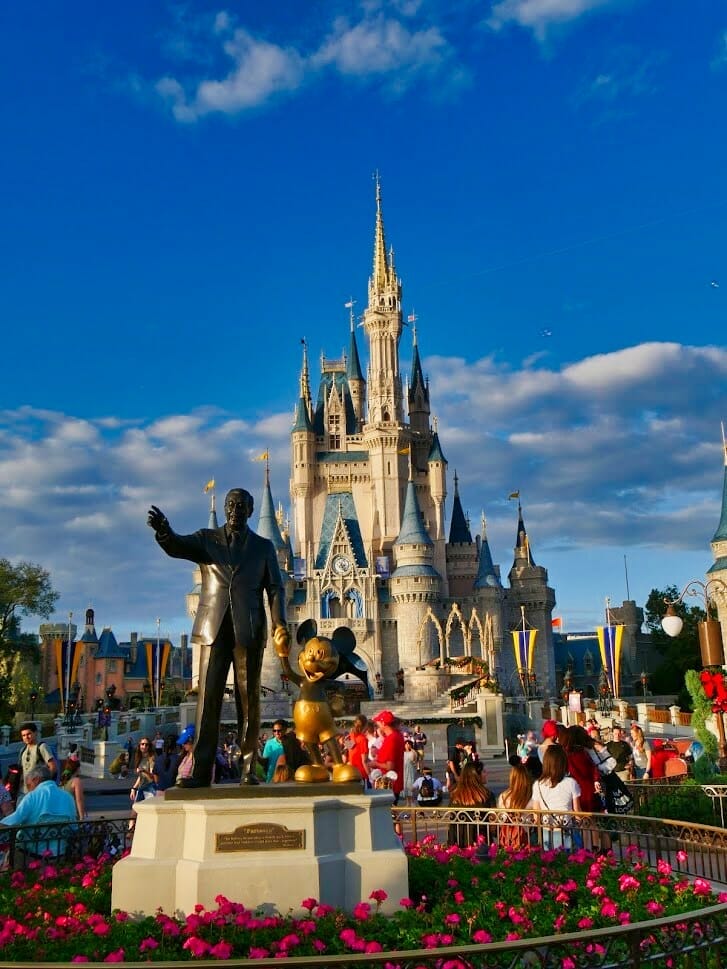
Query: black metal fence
63	841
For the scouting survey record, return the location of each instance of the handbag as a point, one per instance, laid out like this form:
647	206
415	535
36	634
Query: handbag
619	799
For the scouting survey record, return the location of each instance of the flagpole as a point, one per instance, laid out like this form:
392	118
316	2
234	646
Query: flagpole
158	666
68	666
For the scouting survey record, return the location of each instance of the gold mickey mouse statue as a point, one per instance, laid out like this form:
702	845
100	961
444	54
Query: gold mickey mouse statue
312	714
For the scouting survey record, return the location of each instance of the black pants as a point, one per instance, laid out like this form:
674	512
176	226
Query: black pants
214	665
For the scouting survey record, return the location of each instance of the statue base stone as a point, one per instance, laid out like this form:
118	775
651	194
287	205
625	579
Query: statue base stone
266	850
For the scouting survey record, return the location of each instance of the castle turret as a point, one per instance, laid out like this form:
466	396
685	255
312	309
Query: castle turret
461	551
303	462
415	581
419	409
355	377
267	524
529	590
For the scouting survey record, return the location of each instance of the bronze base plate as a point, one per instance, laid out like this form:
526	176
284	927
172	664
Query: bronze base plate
245	792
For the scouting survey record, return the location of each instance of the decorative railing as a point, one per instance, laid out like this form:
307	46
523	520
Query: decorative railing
68	841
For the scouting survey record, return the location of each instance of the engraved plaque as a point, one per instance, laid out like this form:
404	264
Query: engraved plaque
260	836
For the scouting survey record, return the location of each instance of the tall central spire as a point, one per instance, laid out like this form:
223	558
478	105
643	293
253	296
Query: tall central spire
380	276
383	323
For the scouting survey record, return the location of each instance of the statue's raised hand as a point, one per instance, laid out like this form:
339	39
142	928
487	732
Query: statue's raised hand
157	520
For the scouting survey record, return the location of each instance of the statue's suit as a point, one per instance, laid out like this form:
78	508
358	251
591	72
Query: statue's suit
229	627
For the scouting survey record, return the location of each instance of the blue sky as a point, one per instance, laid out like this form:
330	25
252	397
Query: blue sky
186	192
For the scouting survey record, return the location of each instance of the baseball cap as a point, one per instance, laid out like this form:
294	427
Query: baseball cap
550	729
385	716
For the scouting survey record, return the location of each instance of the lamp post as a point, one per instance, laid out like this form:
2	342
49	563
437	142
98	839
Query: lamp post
33	700
68	665
644	679
710	639
604	694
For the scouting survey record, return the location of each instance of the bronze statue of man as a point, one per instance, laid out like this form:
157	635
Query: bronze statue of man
230	627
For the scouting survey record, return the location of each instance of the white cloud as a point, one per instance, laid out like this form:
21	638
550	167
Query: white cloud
719	61
379	46
540	15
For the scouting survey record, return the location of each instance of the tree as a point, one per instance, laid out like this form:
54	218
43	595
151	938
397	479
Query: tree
25	590
679	653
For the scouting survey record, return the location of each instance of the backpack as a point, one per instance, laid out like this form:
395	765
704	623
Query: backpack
426	790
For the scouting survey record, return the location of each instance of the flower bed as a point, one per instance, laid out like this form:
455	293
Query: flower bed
53	914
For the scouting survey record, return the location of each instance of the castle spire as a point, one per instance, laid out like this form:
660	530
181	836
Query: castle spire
522	542
303	409
459	532
267	525
381	266
487	576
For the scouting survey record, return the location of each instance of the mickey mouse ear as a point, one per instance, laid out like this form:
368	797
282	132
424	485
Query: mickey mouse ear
306	631
344	640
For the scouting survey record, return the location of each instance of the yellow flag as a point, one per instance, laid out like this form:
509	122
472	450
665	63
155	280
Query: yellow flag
262	457
406	450
210	485
513	494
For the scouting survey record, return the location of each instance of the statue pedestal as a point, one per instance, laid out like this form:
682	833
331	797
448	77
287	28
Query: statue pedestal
265	850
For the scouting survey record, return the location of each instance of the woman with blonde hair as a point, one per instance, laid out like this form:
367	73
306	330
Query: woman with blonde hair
641	753
517	797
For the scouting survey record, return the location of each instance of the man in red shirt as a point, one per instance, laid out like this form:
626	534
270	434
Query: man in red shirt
390	755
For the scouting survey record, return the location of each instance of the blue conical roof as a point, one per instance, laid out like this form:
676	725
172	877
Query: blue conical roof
108	647
459	531
301	421
435	451
486	574
267	524
353	364
412	531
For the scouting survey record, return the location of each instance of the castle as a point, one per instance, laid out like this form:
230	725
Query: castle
371	550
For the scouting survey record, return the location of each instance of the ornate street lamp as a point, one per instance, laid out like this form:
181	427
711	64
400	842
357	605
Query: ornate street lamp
33	700
604	693
644	679
710	638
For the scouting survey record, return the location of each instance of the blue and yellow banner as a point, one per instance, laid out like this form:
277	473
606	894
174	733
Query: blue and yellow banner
66	673
157	657
524	645
609	642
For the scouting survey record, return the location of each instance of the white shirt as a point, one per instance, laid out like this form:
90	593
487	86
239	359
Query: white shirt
558	798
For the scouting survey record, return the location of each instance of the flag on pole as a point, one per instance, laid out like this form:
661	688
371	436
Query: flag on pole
157	657
609	643
557	623
411	318
405	450
523	641
349	305
209	486
513	494
262	457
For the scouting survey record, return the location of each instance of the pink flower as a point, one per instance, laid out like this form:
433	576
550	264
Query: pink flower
663	867
406	903
702	887
481	937
681	856
568	963
379	895
223	950
147	944
624	918
458	897
654	908
430	941
374	947
257	952
452	919
101	928
512	936
309	903
198	947
117	956
319	945
585	923
361	911
608	909
628	882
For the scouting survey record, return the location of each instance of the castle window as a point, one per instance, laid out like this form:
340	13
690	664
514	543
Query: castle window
588	663
334	432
